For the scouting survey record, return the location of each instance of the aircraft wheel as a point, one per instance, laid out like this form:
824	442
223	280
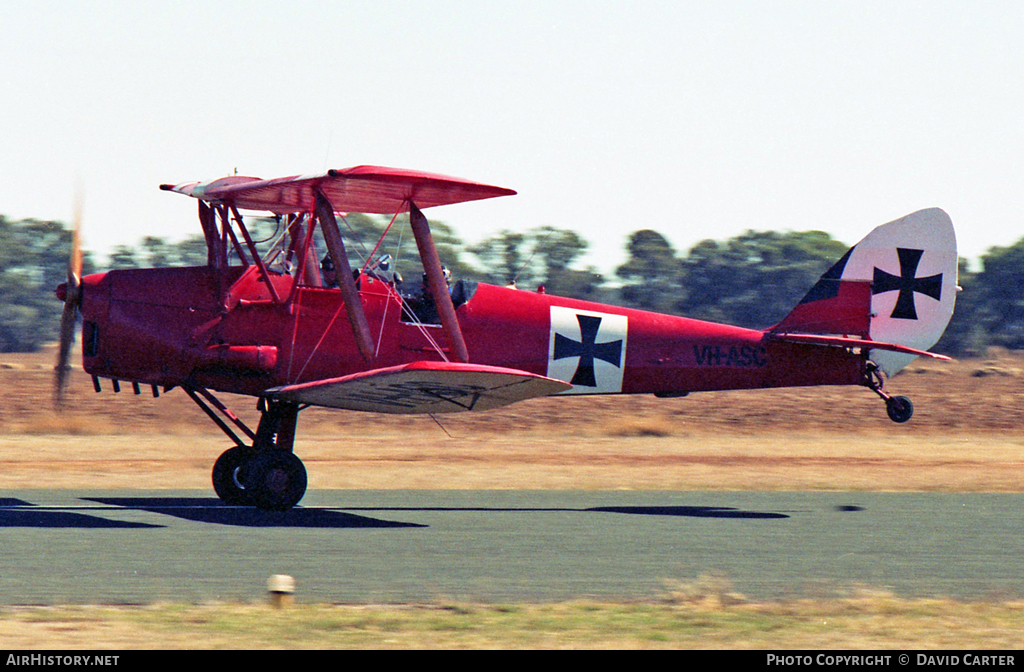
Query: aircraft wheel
229	474
277	480
899	409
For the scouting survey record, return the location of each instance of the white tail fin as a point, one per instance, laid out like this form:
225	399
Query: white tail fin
898	285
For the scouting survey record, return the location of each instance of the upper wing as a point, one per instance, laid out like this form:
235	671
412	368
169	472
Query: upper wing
369	189
423	387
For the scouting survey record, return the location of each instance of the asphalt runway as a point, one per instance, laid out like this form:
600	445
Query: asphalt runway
505	546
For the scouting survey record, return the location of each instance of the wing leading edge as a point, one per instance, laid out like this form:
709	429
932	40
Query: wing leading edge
423	387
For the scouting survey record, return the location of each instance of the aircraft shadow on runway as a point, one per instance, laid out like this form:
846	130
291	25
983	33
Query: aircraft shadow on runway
19	513
212	510
687	511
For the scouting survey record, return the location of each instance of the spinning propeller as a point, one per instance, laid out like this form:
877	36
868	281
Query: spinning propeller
72	301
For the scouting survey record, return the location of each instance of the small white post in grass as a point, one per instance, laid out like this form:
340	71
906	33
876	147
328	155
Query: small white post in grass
281	588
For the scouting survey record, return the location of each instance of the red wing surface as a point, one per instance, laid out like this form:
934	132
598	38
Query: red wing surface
368	189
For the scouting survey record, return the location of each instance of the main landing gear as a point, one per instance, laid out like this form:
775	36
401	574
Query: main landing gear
900	409
266	474
270	479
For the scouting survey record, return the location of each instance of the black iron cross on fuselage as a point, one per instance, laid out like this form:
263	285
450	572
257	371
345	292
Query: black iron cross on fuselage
587	349
907	283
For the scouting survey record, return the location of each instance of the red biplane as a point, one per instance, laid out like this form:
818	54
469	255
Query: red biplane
295	332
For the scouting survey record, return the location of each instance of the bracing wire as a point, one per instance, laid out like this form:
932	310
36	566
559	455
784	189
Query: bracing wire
440	425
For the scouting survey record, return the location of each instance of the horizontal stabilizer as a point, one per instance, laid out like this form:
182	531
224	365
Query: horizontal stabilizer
423	387
841	341
367	189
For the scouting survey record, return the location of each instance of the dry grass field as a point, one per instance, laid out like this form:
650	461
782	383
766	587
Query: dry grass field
869	621
965	436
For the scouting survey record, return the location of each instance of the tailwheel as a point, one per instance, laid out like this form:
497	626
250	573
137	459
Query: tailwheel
229	476
900	409
276	480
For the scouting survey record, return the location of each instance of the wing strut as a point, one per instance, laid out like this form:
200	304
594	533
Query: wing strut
438	285
215	258
349	292
216	254
256	255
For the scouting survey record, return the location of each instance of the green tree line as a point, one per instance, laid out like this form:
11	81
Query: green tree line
751	280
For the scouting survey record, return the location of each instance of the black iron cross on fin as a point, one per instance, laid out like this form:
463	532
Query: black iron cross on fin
907	283
587	350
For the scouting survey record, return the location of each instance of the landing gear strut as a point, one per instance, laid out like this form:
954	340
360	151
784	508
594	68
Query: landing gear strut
266	474
274	478
900	409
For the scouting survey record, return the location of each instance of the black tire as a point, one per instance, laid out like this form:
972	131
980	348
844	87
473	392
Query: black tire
229	476
900	409
276	479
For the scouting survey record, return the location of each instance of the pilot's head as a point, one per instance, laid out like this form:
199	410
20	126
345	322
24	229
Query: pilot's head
327	271
445	272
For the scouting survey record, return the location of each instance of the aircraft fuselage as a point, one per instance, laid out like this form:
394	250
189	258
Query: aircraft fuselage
191	326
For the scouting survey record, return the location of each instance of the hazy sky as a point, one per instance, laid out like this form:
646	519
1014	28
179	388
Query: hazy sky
697	119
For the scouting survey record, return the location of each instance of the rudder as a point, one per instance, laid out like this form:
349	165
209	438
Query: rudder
897	285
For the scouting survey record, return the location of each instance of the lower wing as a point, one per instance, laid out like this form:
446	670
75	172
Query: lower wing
423	387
